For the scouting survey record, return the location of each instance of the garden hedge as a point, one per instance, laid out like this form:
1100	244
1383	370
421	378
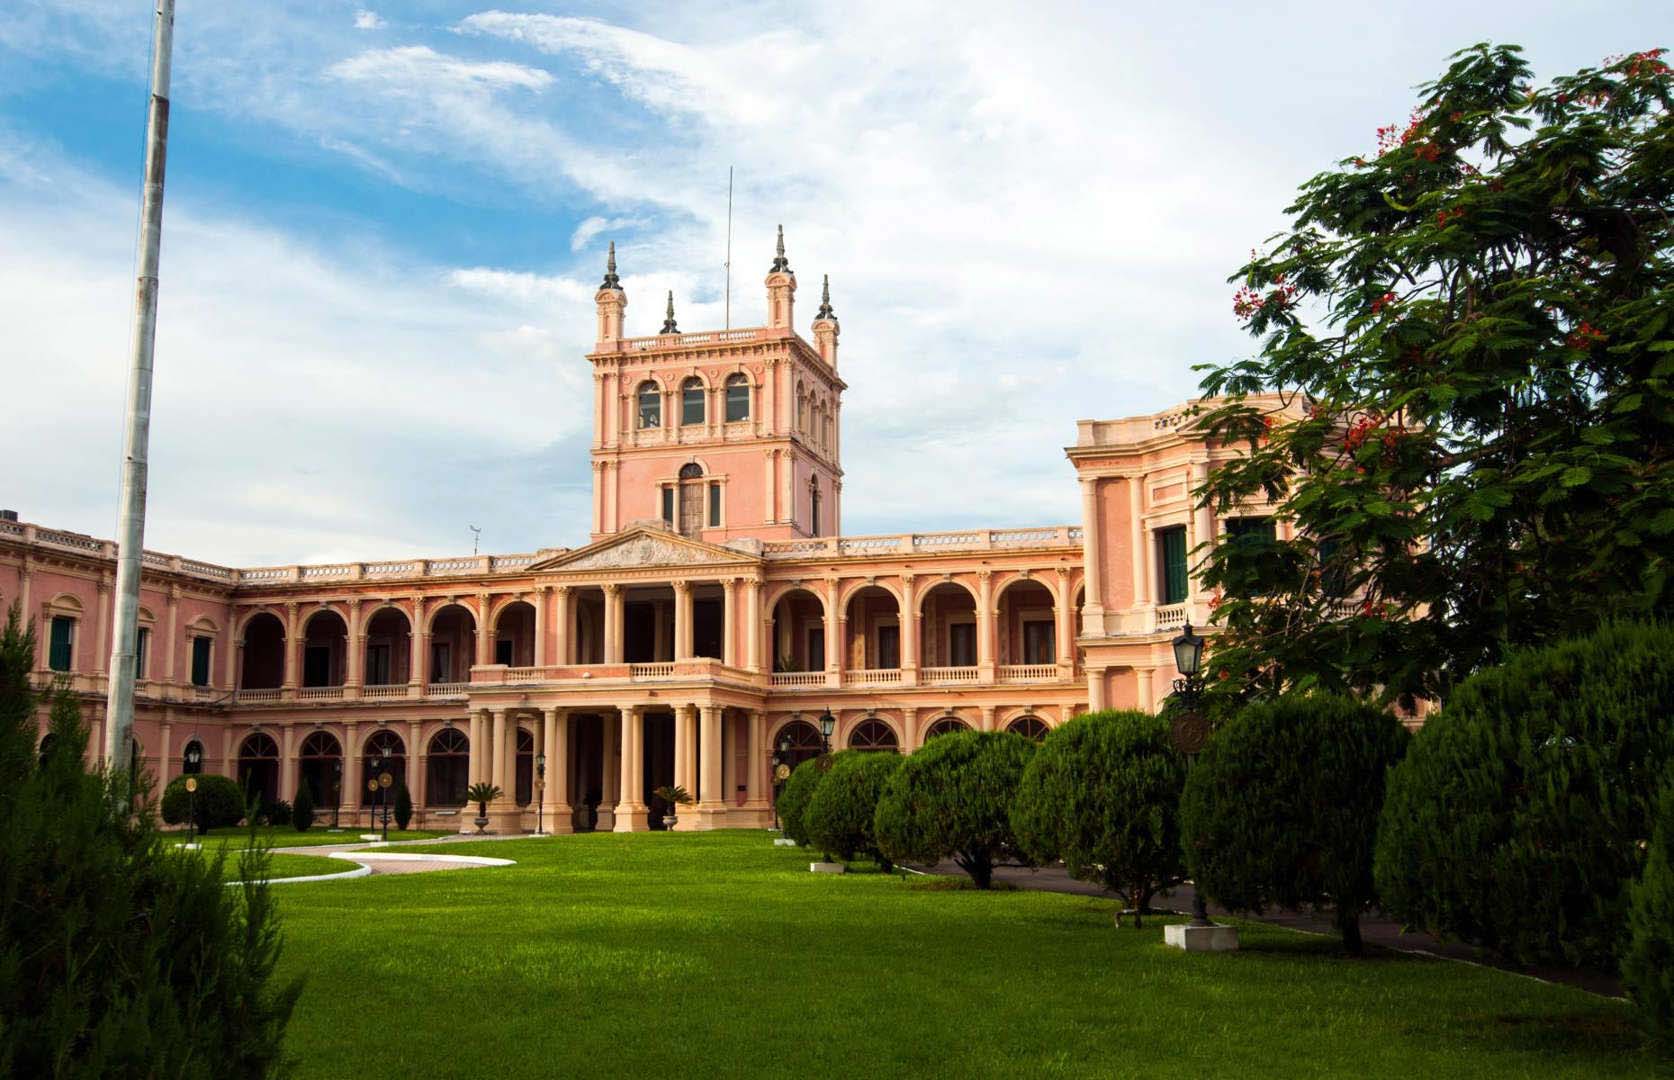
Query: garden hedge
1648	966
1102	793
1281	807
840	815
1517	817
219	801
953	798
794	796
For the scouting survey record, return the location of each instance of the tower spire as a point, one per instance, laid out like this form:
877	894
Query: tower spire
825	311
611	281
668	323
780	263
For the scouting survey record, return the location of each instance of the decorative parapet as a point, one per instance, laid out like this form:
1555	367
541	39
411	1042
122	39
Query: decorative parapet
675	342
925	543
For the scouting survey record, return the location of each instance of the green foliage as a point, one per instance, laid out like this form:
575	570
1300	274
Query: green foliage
403	806
952	798
794	797
674	794
1648	965
1472	331
219	802
840	815
482	793
276	813
120	956
1281	807
302	810
1515	818
1102	793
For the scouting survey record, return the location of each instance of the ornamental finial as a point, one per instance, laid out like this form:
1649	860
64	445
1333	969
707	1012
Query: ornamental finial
780	263
668	321
825	311
610	279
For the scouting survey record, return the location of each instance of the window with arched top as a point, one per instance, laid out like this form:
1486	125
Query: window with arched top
947	725
801	408
525	782
650	399
813	506
691	401
873	734
691	498
449	768
738	398
1030	727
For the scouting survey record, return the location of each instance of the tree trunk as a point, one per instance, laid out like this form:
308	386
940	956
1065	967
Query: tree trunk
980	868
1348	923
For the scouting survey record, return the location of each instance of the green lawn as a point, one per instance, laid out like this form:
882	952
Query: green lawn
716	954
288	837
284	866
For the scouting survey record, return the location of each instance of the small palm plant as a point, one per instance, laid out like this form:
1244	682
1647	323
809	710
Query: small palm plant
676	797
482	793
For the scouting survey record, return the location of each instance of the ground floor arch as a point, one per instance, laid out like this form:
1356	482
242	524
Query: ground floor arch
258	768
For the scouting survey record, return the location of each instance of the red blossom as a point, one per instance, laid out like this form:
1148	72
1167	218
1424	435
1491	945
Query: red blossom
1585	336
1382	302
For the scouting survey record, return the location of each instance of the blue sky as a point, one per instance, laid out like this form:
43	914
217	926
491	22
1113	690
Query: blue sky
384	224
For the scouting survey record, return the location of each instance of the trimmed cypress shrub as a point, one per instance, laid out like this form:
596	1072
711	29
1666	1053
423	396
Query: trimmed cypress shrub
1103	793
219	802
1281	808
1648	966
403	806
794	796
1515	820
953	798
155	968
839	817
302	810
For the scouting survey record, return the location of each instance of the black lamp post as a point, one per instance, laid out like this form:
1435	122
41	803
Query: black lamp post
336	791
378	792
1191	730
540	788
194	763
828	724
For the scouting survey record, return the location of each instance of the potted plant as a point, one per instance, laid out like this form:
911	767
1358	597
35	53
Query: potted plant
482	793
676	797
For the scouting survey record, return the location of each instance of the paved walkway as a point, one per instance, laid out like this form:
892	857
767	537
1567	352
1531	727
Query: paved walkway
380	858
1375	929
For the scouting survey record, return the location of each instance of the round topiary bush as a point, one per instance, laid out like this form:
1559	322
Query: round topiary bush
1281	808
1648	966
953	798
794	796
1102	793
219	802
1516	818
840	816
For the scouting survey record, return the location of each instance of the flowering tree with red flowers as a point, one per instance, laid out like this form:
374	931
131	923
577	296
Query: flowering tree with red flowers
1473	332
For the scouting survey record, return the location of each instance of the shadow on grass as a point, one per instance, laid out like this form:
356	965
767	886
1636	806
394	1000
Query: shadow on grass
956	884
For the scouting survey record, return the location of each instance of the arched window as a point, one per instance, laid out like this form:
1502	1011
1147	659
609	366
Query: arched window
738	398
947	725
1030	727
525	767
873	734
798	741
691	498
449	768
650	405
691	401
258	768
813	506
320	762
45	748
386	752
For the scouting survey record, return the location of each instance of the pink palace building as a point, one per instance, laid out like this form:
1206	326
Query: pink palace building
716	616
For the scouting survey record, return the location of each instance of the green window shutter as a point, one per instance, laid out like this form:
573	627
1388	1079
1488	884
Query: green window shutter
200	661
714	506
1175	584
59	654
668	506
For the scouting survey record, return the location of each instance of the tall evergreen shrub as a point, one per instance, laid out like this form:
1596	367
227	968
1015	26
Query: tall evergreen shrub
1648	967
952	798
841	814
1515	820
794	797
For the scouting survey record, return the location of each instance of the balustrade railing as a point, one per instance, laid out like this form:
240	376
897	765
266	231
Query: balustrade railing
392	690
448	690
258	697
1172	616
941	676
790	680
651	671
1028	672
965	540
872	677
320	693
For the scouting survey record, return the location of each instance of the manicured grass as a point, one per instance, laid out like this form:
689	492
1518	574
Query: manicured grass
285	866
289	837
717	954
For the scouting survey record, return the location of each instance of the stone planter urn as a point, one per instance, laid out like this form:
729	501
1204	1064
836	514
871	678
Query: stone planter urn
480	821
669	820
482	794
676	797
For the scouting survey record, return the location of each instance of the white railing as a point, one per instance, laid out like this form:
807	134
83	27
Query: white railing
257	697
650	671
525	674
1028	672
680	341
392	690
872	677
1173	616
791	679
943	675
320	693
965	540
448	689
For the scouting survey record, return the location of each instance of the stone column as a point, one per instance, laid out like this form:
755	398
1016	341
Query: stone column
348	793
287	762
1063	623
497	774
988	717
1147	701
752	621
229	766
985	625
756	782
712	805
909	631
420	664
631	813
101	644
541	600
1136	534
1095	689
166	754
682	620
485	632
293	648
473	764
833	636
416	759
909	733
729	622
561	626
684	747
1091	548
169	675
613	623
1203	530
560	815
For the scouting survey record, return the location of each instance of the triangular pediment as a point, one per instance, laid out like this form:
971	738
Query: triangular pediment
641	547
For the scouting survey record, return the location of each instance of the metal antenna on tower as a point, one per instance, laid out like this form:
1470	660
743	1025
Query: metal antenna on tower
476	535
728	263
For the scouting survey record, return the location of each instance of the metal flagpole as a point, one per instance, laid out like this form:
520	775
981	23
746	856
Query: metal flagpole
130	530
729	249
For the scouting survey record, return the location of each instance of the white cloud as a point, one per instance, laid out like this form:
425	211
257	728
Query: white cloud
369	20
593	226
410	67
